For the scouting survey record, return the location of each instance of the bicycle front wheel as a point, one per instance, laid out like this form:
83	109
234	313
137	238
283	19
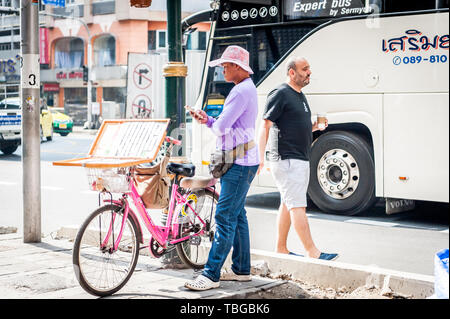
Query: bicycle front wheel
194	252
100	269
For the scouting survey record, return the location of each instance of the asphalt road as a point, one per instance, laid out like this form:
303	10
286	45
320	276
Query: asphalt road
403	242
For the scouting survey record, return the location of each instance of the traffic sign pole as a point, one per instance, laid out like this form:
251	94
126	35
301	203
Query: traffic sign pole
175	71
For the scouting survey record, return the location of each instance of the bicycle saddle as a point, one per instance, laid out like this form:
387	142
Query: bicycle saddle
187	170
198	182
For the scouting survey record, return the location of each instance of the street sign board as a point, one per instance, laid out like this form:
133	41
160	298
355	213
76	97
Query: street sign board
56	3
139	83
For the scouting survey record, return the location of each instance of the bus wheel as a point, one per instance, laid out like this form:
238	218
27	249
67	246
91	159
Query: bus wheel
342	174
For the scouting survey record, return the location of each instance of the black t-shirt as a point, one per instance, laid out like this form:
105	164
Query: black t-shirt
290	136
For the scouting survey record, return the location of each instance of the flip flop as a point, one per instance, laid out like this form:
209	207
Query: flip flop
325	256
294	254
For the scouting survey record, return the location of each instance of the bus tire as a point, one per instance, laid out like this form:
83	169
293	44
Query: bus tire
342	179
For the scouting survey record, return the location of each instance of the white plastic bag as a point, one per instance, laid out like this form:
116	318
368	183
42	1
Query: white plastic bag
441	274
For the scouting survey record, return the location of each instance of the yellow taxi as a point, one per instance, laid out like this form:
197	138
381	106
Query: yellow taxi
62	123
46	120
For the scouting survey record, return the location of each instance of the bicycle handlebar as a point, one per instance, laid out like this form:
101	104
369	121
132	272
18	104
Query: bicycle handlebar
171	140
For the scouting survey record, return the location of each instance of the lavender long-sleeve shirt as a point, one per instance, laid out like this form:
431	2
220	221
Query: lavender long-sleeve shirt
236	124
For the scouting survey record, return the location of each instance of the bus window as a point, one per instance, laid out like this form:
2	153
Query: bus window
442	4
217	88
391	6
266	45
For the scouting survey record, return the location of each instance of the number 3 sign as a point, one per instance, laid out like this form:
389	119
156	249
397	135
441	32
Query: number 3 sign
30	71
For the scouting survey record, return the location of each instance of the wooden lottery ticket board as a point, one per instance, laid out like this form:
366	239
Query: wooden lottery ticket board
123	143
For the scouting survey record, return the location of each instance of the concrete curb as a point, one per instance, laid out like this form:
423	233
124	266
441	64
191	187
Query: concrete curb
336	275
243	294
330	274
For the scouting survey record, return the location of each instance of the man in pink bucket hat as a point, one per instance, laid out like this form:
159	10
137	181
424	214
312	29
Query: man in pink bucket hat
236	55
235	126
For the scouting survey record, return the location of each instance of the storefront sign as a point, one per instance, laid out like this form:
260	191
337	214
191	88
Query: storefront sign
9	66
73	75
51	87
56	3
43	46
301	9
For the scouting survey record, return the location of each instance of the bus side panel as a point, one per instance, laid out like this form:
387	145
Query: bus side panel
264	178
352	58
203	144
417	146
203	140
342	109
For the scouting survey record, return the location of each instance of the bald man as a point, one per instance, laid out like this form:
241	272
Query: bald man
287	127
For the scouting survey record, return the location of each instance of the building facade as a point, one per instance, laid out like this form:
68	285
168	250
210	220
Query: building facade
9	50
113	28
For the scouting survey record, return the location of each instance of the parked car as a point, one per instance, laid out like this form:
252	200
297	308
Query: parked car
62	123
11	124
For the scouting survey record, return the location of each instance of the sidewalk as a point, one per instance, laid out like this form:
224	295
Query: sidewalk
81	130
44	271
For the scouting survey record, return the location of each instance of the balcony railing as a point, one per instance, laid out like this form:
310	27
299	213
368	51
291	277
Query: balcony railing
11	21
103	7
77	11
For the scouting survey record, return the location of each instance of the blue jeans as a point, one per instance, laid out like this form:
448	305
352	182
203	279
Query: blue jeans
231	223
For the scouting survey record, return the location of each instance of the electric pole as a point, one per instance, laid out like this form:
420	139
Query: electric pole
30	95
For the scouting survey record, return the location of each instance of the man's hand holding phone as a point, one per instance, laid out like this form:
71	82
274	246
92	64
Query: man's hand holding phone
199	115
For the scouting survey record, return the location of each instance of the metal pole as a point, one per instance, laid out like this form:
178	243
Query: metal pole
89	84
175	71
30	94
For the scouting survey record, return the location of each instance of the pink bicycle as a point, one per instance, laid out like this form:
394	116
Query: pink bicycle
107	245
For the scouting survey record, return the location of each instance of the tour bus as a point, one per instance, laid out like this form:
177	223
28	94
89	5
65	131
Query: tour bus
380	72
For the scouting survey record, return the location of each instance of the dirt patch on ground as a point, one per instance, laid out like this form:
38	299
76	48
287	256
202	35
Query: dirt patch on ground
293	289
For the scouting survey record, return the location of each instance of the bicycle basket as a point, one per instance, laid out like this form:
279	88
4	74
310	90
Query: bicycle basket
113	180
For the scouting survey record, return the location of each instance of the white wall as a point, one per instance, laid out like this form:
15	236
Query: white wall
186	5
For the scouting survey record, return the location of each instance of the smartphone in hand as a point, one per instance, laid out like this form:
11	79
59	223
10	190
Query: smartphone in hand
193	112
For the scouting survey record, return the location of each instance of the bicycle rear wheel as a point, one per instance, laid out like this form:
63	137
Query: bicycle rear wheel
100	270
194	252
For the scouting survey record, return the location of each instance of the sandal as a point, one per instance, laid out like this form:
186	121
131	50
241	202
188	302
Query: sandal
325	256
202	283
232	276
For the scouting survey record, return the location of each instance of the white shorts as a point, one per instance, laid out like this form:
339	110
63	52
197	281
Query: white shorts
292	178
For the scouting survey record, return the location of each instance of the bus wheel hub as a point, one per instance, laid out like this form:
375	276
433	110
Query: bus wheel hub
338	174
